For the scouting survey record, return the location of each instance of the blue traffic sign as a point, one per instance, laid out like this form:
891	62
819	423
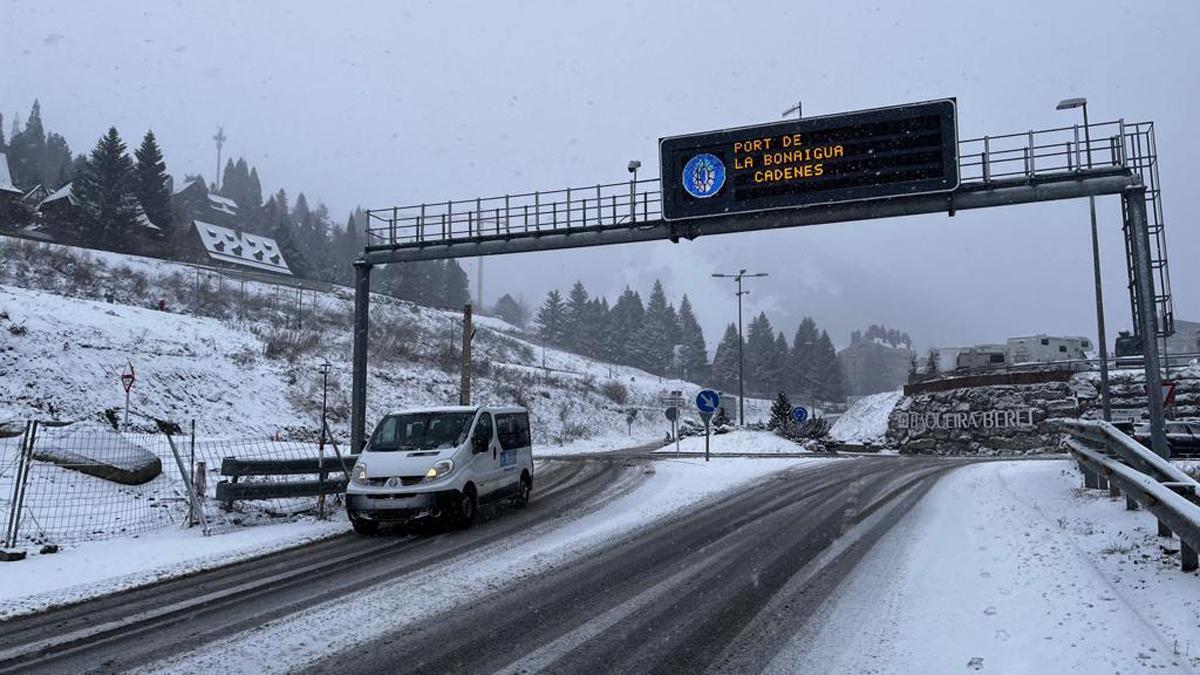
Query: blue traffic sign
707	401
799	414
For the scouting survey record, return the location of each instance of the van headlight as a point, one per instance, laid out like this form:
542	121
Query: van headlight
360	473
439	470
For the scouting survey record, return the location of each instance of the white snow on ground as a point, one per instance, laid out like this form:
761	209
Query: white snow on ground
753	442
99	567
1010	567
286	644
866	421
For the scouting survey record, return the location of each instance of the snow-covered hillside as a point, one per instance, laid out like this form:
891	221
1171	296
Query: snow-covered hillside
241	360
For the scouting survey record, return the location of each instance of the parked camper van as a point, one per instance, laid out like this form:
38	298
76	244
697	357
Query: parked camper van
441	463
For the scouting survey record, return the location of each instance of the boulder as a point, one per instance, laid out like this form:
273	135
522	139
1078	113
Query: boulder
97	451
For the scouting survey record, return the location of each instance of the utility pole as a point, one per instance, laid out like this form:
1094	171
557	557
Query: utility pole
741	339
220	138
1105	396
464	394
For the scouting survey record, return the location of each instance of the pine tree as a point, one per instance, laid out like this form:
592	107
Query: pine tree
508	309
105	194
760	344
802	375
832	386
931	362
150	182
654	340
229	181
694	352
253	191
912	369
777	378
625	324
455	286
725	360
593	329
27	149
575	319
550	318
3	144
781	412
721	419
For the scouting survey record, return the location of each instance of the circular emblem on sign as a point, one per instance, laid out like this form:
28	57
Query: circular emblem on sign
703	176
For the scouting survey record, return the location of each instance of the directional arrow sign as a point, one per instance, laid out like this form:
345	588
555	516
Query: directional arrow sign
799	414
707	401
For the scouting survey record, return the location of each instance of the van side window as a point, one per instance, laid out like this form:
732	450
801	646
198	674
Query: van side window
513	430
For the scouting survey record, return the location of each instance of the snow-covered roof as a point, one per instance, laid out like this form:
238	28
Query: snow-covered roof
63	192
144	221
234	246
186	185
36	189
6	184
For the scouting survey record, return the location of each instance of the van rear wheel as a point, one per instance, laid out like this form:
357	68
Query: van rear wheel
524	490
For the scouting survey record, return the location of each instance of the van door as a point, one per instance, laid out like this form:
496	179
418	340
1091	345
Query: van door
486	449
513	431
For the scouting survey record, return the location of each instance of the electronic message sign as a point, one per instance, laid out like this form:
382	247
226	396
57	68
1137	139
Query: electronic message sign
871	154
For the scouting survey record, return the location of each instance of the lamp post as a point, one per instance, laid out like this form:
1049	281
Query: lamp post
741	340
1105	398
798	109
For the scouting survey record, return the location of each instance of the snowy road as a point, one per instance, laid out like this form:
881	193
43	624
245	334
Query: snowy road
719	588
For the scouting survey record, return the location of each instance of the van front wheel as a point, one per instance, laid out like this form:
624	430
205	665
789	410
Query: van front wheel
467	508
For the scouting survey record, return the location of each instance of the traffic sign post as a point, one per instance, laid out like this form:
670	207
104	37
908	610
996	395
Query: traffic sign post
707	402
127	380
672	413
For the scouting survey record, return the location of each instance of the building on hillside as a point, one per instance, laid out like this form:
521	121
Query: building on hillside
10	196
229	247
35	196
59	206
192	201
873	366
1047	348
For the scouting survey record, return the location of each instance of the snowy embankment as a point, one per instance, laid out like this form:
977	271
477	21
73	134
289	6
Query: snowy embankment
866	422
242	359
286	644
1010	567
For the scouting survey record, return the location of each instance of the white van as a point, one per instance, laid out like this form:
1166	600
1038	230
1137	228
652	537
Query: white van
441	463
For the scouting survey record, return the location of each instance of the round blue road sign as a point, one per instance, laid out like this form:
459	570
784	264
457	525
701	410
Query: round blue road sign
707	401
799	414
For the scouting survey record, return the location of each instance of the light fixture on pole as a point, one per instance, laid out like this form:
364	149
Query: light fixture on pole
1101	332
633	167
741	340
798	109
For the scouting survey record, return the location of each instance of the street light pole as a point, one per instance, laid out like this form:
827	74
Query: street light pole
741	340
1102	333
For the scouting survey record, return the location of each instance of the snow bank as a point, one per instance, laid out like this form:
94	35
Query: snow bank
97	568
866	422
738	442
1009	567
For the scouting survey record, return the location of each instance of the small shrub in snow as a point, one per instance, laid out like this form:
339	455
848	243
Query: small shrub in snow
615	391
17	329
289	345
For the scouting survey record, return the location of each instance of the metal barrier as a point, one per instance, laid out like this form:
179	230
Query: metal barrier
229	491
1122	465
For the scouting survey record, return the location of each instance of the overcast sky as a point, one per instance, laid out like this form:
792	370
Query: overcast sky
377	104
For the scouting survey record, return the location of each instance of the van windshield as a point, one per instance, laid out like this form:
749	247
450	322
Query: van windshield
421	431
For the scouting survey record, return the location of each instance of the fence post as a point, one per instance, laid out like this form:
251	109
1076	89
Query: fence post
194	504
12	531
1188	561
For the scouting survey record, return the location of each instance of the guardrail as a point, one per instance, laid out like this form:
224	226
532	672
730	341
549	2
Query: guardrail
322	467
1121	464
